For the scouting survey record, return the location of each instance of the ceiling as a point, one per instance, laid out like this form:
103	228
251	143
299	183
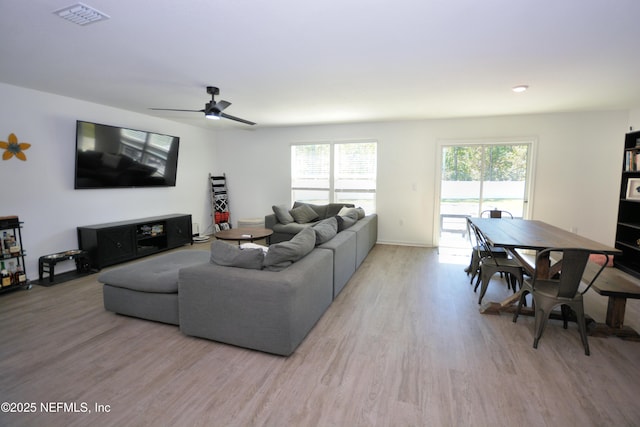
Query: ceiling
294	62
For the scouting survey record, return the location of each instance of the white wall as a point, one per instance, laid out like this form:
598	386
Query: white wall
634	120
40	190
577	172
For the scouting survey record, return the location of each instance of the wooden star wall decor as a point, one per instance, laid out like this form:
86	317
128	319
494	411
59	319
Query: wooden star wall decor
14	148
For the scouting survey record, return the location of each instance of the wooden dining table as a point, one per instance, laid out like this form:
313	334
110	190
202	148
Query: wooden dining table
517	235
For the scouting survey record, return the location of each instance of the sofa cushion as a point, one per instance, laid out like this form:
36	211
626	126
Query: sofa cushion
350	212
348	221
229	255
292	229
334	208
282	255
303	214
282	213
325	230
345	222
321	210
156	275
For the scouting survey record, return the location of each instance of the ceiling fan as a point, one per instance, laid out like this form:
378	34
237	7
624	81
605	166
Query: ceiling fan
212	109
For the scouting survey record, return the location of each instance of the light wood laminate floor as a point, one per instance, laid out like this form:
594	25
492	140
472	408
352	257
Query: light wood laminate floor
403	345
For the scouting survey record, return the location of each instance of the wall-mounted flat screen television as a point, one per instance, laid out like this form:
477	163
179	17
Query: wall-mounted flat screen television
116	157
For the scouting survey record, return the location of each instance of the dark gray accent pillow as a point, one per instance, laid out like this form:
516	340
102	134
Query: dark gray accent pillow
282	213
283	254
303	214
325	230
233	256
321	210
348	221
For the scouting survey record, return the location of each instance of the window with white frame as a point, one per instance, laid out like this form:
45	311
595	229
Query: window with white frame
335	172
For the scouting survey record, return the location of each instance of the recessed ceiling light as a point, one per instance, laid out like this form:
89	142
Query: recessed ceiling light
520	88
81	14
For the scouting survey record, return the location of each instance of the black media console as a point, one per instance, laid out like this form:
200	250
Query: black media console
117	242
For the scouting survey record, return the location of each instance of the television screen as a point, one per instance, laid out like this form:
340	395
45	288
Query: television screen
115	157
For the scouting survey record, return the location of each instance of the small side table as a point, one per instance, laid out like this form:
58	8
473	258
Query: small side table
245	234
47	263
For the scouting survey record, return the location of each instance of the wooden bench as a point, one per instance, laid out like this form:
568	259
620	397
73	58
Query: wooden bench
612	283
617	286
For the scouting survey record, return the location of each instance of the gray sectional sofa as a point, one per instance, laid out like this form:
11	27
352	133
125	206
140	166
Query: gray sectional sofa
285	226
269	307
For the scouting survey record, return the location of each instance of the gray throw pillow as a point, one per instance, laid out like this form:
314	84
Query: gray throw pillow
348	221
303	214
282	213
325	230
230	255
350	212
321	210
360	212
334	208
282	255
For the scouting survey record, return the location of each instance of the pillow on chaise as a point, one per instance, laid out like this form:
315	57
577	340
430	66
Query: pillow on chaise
321	210
349	217
334	208
282	255
325	230
229	255
350	212
282	213
303	214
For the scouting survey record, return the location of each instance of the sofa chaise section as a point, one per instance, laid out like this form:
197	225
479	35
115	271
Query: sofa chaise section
270	311
148	289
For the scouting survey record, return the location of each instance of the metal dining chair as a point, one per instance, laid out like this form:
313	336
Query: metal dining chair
496	213
477	252
491	264
474	265
562	289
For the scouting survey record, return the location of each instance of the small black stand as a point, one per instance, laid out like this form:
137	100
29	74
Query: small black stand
47	263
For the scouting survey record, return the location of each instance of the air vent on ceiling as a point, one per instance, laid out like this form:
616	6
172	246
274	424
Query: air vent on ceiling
81	14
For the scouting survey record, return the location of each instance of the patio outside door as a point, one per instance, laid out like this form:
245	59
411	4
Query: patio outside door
479	177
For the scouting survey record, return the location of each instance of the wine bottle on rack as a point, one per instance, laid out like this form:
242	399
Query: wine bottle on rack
6	277
20	276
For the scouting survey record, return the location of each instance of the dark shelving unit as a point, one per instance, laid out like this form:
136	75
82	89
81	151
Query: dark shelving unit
628	227
12	226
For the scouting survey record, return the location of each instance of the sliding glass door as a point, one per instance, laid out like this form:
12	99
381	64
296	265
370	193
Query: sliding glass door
479	177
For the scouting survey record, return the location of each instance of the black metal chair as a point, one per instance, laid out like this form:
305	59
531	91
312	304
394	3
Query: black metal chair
477	252
496	213
491	264
562	289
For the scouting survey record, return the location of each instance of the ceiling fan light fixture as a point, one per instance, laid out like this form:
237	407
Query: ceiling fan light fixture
212	116
520	88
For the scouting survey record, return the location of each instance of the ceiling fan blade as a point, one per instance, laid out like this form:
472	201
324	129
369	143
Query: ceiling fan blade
237	119
212	109
221	105
174	109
